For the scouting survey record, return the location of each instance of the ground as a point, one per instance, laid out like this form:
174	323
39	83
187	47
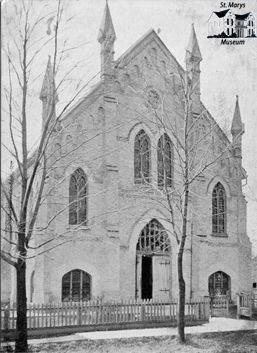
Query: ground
222	342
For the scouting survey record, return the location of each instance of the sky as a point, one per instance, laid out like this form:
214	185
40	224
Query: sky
226	70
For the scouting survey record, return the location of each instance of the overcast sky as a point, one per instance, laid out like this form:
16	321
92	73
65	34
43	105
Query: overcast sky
226	70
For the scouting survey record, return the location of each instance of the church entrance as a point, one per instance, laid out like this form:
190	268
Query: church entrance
147	278
153	265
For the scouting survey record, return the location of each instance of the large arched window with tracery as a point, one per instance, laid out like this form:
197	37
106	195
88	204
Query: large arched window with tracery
165	161
78	198
76	286
153	239
142	157
219	210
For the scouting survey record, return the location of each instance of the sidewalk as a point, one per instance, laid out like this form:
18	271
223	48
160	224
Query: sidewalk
215	325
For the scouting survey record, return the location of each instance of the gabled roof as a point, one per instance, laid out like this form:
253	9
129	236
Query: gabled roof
221	14
92	90
220	131
142	43
123	60
243	17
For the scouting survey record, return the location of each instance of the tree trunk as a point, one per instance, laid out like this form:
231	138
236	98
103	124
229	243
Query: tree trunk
182	295
21	341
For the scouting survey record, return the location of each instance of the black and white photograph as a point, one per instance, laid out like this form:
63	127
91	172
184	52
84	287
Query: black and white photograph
128	176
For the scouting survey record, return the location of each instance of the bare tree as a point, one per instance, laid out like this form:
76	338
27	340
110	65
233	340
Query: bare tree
29	189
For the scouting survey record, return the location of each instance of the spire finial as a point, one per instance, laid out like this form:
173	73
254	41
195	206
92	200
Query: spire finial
48	80
193	49
237	125
106	30
48	85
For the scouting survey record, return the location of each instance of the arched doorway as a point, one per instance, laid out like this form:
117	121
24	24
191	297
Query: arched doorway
153	263
219	284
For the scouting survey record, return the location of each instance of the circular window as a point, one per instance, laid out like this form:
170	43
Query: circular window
153	98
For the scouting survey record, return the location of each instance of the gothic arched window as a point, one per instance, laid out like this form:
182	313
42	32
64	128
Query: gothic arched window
76	286
142	158
219	210
78	198
165	161
153	239
219	284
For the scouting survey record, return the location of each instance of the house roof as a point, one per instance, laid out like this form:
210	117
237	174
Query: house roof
242	17
221	14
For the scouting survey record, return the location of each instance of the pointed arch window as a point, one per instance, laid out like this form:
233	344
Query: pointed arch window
165	161
76	286
219	210
153	239
78	198
219	284
142	157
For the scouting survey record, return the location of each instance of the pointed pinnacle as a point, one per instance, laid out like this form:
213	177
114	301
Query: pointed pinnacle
237	125
106	30
48	80
193	46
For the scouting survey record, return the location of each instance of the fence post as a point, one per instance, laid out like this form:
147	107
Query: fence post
251	304
207	308
143	310
6	317
238	306
79	313
227	306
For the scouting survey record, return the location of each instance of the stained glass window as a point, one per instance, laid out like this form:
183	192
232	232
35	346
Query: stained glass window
78	198
142	158
165	161
219	210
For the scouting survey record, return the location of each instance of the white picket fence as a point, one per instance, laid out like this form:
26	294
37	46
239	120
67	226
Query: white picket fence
103	313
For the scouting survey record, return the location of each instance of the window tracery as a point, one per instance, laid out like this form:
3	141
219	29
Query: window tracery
78	198
219	210
142	158
165	161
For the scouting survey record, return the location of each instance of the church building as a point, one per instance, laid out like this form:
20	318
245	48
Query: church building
115	191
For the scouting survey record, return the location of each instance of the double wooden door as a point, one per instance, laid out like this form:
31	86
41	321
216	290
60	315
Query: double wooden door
153	277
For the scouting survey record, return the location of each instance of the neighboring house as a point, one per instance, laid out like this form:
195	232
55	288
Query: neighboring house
101	193
222	21
245	25
229	23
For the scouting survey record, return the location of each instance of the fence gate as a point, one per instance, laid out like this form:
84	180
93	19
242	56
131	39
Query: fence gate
219	306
